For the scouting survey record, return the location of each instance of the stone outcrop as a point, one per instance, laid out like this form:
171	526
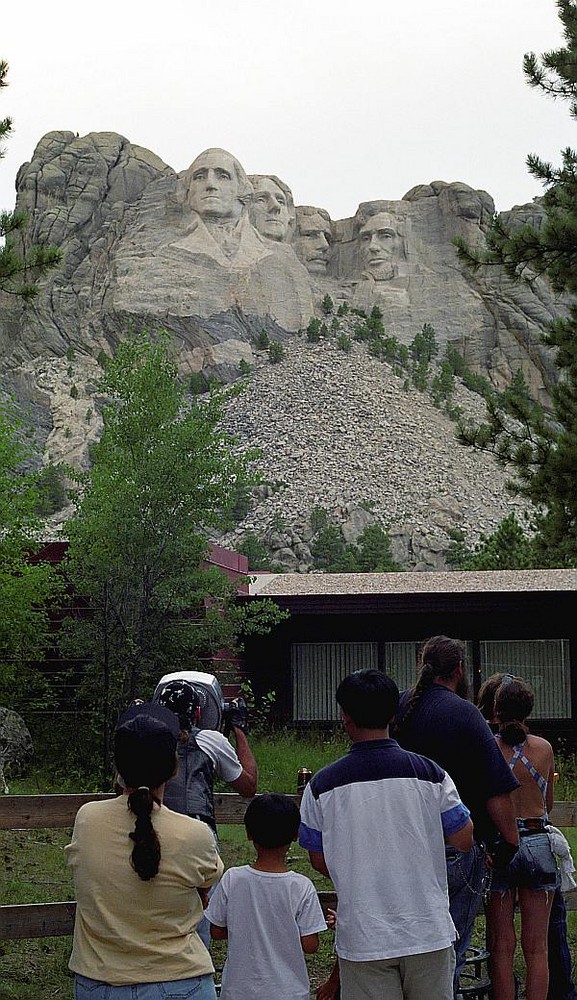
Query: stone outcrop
16	747
214	257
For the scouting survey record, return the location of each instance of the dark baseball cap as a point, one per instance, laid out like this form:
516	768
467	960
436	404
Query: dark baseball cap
145	744
150	714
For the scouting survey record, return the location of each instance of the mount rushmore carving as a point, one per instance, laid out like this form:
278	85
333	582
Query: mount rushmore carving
214	255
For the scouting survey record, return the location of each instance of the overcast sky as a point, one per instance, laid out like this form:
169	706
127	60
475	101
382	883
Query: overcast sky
345	101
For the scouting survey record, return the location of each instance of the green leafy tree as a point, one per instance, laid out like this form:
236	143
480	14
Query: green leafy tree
165	474
27	586
541	447
21	264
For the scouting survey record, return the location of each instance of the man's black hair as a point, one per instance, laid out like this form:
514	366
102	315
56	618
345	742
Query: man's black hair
370	697
272	820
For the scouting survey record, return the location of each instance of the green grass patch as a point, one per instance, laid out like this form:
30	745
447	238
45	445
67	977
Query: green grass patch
35	870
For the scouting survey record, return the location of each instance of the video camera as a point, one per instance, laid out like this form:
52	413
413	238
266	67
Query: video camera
215	711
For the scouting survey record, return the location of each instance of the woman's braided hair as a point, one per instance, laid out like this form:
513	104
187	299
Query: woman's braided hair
145	756
145	857
439	657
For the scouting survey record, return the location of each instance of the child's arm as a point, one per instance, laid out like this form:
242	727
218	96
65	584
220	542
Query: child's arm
309	943
221	933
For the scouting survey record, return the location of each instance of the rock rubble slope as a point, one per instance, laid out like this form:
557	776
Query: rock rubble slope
341	431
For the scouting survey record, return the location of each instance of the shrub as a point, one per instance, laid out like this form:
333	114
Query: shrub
262	341
52	493
443	383
424	345
343	309
256	552
314	330
74	392
244	367
327	305
276	352
375	322
198	383
344	343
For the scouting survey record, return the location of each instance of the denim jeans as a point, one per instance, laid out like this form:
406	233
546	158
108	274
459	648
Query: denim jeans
197	988
466	880
561	985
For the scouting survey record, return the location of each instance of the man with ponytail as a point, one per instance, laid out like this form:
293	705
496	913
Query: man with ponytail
436	719
136	866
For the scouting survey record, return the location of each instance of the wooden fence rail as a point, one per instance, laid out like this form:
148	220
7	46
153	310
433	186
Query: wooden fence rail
35	812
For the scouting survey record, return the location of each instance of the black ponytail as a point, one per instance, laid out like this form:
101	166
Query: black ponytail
145	857
440	657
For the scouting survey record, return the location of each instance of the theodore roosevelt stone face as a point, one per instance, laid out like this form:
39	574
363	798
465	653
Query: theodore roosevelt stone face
380	242
314	236
269	210
216	185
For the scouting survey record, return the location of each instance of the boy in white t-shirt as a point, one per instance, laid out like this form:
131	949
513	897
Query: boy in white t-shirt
270	915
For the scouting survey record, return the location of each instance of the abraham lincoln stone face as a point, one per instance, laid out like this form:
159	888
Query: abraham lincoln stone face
380	246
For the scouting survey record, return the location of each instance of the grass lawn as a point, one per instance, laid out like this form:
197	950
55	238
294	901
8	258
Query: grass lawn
34	869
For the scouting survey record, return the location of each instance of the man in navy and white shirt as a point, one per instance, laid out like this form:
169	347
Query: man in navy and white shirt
376	822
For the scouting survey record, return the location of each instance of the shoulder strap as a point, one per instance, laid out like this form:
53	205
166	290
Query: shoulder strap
519	755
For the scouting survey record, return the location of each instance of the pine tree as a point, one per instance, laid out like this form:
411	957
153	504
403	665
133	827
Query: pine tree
21	265
541	447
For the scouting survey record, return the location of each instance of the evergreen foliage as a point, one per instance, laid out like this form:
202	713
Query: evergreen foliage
21	264
276	352
540	447
314	330
371	553
508	547
262	341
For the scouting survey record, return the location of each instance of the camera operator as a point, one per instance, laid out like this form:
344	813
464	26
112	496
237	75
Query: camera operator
204	754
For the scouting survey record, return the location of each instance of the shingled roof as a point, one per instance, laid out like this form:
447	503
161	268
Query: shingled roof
337	584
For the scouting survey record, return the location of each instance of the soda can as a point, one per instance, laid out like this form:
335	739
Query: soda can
303	778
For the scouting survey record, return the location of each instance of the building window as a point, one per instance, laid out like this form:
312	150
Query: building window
317	670
543	663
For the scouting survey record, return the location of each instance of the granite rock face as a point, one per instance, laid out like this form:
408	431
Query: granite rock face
215	257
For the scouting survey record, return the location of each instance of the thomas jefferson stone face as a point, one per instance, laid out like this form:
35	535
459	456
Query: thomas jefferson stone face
380	242
269	211
214	186
313	241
